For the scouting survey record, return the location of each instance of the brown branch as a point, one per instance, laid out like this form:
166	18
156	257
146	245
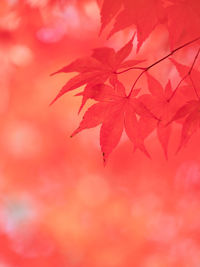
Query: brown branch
145	69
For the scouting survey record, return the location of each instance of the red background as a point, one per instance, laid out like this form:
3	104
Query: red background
58	205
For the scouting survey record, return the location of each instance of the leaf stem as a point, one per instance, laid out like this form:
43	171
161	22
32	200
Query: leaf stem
158	61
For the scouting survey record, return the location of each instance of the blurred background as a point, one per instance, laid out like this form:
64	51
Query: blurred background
59	207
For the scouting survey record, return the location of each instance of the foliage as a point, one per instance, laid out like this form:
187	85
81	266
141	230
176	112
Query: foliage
139	115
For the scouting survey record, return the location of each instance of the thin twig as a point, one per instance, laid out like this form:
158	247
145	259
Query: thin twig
157	62
187	75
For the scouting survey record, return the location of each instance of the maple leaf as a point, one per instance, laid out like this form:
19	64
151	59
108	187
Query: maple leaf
182	18
115	111
101	66
183	21
191	110
189	74
160	103
134	12
108	11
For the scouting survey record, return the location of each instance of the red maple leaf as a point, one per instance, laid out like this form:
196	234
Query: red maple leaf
191	111
101	66
159	104
108	11
183	21
134	12
163	104
115	111
192	107
189	74
181	17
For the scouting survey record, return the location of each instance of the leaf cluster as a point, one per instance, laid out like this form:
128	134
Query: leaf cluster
139	115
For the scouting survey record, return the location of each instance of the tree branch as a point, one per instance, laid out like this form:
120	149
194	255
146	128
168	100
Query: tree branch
145	69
